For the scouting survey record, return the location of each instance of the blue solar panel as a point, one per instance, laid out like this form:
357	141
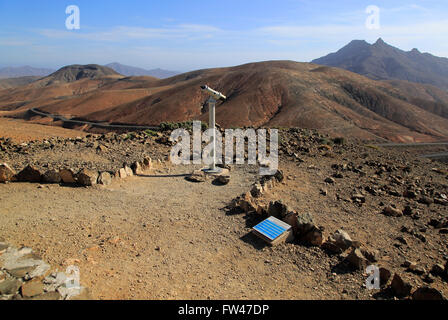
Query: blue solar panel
270	229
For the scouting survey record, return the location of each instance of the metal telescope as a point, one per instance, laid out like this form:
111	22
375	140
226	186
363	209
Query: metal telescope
214	96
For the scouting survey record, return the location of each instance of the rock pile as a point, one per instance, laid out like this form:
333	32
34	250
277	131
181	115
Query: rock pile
24	276
85	177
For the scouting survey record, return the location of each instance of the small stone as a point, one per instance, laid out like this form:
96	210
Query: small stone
6	172
392	212
9	286
104	178
147	163
257	190
21	272
400	287
197	176
121	173
277	209
51	176
32	288
137	168
87	177
385	275
330	180
341	239
304	223
314	237
330	246
425	200
29	174
427	293
357	259
223	179
67	176
128	170
371	254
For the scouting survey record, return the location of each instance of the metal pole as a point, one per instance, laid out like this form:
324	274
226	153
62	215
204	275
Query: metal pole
212	124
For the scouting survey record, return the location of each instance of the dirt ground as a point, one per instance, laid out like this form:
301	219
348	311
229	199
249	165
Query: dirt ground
22	131
149	238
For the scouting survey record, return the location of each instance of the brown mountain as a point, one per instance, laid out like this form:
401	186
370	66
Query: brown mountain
381	61
273	93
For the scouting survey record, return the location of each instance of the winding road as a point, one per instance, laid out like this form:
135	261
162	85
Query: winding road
94	124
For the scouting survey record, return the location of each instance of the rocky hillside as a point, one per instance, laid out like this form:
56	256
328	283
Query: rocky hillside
381	61
272	94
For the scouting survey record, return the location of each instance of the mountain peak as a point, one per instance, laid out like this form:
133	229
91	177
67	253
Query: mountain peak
380	42
386	62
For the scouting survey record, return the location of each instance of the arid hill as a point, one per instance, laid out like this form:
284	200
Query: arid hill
273	94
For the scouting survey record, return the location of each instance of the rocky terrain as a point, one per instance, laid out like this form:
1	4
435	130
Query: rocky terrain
158	235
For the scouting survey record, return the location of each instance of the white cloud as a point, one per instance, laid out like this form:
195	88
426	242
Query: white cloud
121	33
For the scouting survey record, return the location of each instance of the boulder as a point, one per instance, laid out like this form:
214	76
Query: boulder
105	178
128	170
67	176
32	288
257	190
222	179
385	275
427	293
304	224
392	212
314	237
400	287
438	270
197	176
245	202
29	174
87	177
121	173
9	286
371	254
51	176
277	209
137	168
6	173
279	176
341	239
357	260
330	180
147	163
331	247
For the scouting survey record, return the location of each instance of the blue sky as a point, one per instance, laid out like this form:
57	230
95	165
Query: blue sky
191	34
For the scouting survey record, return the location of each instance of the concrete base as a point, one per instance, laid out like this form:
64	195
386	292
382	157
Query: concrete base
216	171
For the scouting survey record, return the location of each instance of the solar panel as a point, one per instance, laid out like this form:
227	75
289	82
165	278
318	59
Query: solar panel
272	229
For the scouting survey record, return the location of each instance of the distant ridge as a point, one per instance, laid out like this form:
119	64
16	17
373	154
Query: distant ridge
25	71
381	61
77	72
16	82
134	71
